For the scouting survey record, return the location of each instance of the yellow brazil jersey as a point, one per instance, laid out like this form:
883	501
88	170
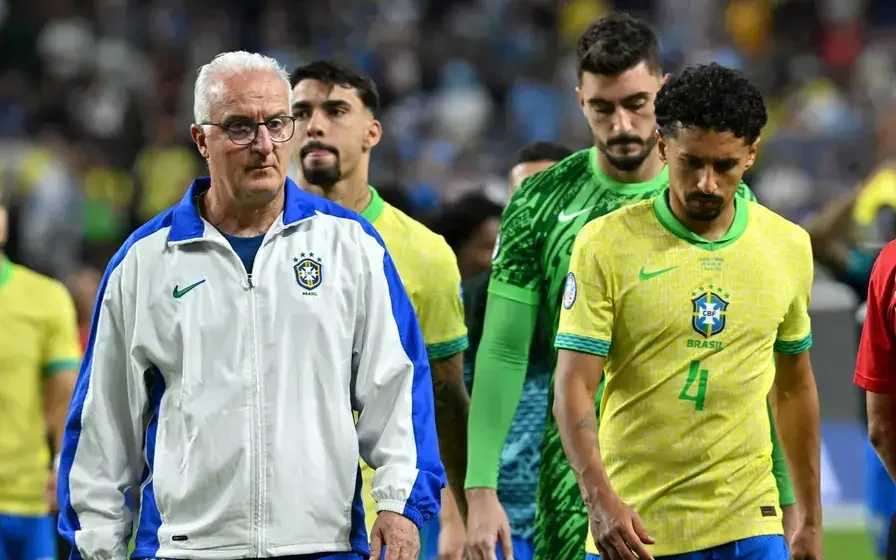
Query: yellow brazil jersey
689	328
428	269
38	337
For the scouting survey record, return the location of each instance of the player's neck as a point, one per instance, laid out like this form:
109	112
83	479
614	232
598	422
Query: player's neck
708	230
350	192
242	218
647	171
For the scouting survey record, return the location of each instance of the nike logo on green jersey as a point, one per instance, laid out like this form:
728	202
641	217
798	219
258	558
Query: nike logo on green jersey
563	217
180	293
648	275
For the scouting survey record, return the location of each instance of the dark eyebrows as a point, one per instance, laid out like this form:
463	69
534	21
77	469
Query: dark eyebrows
327	104
640	96
691	157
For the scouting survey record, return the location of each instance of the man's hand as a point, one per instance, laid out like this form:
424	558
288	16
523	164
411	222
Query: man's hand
806	544
397	534
487	525
452	536
50	491
789	520
618	530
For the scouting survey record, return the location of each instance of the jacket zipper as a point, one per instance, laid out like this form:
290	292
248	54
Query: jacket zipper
257	426
256	510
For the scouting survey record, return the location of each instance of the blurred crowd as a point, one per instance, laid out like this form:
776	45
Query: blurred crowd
96	96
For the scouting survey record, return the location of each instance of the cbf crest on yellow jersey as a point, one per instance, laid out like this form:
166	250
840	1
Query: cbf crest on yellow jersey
428	269
689	328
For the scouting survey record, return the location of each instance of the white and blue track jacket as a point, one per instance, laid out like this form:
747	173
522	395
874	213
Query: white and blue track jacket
226	399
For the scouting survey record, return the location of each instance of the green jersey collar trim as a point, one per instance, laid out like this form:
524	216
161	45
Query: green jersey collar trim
668	220
5	270
653	185
374	207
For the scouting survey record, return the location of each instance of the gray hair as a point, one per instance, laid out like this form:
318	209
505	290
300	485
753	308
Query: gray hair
208	82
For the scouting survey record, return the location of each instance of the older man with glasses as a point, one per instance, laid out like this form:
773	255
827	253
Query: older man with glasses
233	337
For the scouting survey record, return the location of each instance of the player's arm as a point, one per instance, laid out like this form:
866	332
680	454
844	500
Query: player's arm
103	439
62	355
876	361
441	314
502	358
583	340
393	393
796	396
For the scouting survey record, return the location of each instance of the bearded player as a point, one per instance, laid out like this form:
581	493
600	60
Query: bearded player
619	76
336	129
681	467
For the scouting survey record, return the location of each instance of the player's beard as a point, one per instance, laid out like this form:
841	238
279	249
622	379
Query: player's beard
628	162
703	212
323	177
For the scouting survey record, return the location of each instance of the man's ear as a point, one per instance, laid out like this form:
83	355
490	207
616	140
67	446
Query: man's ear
661	146
580	97
200	139
374	134
754	151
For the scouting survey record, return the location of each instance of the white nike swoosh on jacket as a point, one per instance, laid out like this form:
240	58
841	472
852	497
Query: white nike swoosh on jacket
247	385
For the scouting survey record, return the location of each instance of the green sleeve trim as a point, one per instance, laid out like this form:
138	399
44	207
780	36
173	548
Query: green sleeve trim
794	346
579	343
786	497
58	366
502	360
514	293
442	350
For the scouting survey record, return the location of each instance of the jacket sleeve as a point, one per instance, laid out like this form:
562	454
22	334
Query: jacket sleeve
101	456
392	391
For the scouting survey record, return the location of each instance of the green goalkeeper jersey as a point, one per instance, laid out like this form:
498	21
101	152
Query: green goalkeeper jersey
530	262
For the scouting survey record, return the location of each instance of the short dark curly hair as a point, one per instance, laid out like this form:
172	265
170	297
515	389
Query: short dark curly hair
615	43
337	73
710	96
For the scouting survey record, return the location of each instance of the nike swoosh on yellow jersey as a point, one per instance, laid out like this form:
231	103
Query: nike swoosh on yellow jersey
568	217
648	275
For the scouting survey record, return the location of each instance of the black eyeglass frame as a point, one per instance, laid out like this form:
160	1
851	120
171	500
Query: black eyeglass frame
225	126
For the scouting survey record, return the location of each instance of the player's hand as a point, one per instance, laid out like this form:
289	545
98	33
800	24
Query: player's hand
397	534
806	544
452	537
487	525
50	491
618	531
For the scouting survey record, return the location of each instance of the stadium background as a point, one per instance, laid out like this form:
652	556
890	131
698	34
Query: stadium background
96	99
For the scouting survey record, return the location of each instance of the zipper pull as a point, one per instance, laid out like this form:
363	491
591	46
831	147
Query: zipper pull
249	279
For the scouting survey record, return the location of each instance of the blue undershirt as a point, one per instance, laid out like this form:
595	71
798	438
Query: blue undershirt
246	248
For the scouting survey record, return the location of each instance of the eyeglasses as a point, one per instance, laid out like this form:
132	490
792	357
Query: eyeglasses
243	132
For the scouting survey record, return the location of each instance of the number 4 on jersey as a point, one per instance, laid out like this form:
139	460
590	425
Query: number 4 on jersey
699	377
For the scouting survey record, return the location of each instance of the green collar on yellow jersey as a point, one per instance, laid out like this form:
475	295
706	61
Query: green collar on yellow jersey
668	220
5	269
374	207
652	185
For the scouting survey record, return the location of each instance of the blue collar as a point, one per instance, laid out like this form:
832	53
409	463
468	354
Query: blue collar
187	225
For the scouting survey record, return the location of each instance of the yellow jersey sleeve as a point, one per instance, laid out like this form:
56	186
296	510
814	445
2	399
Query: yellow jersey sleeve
586	318
795	331
439	307
61	348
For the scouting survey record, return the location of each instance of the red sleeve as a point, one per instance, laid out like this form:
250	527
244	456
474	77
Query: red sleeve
876	361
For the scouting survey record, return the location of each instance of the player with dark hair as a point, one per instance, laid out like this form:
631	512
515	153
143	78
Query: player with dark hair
533	158
470	227
680	467
619	76
336	128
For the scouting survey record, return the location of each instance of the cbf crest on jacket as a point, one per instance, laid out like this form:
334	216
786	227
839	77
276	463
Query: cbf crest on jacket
246	385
